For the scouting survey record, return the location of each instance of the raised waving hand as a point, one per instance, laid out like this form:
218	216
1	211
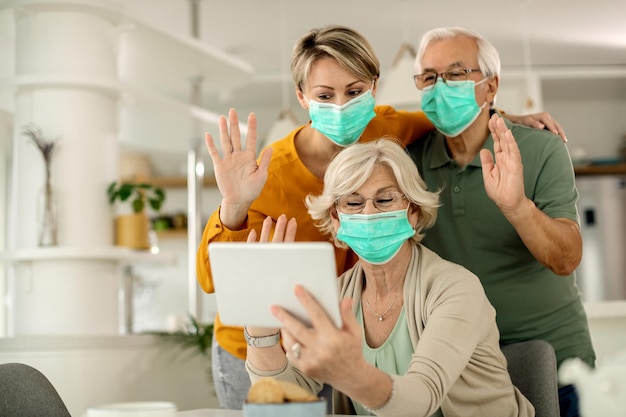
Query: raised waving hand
503	173
239	177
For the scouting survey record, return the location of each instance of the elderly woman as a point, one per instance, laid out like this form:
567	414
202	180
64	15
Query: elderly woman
419	336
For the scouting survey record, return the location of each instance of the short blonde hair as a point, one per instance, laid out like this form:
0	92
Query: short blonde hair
347	46
353	165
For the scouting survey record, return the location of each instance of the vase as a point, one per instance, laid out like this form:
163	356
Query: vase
133	231
47	217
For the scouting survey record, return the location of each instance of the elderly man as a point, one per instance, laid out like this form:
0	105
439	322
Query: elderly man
515	226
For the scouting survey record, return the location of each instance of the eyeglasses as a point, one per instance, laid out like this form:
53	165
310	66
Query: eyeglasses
355	203
427	80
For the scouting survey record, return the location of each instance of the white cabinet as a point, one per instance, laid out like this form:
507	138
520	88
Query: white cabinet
155	71
588	102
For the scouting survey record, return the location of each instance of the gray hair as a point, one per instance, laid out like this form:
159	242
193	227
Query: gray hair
488	57
352	166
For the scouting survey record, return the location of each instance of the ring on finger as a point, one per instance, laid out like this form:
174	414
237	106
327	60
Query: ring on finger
296	349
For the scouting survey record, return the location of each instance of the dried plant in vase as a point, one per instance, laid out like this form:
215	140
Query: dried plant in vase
48	228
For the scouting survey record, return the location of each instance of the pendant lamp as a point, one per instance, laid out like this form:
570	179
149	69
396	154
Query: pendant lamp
285	123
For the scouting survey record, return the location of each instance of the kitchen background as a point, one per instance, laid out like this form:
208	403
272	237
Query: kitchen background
118	81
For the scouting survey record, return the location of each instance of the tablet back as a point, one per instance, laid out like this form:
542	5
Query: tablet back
250	277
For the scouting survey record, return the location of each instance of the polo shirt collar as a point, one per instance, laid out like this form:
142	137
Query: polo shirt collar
440	155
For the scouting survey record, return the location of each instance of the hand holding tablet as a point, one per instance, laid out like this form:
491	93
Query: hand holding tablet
251	277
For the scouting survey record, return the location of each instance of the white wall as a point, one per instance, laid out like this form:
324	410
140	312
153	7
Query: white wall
596	124
591	108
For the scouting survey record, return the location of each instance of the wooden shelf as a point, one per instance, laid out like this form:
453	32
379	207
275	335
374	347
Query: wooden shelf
179	182
171	233
588	170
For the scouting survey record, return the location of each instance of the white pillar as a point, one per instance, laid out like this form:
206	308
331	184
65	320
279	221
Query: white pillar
6	127
66	78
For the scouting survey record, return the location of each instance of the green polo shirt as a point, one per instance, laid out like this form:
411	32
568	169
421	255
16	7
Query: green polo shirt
530	300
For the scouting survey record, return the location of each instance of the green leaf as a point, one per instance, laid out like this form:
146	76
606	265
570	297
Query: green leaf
196	336
140	194
125	191
111	188
155	204
138	205
160	193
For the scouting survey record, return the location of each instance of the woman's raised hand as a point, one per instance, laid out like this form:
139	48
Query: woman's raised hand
285	231
239	178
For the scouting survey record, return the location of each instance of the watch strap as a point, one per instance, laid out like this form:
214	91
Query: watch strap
263	341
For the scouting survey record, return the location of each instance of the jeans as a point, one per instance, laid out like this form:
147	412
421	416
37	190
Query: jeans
568	401
230	378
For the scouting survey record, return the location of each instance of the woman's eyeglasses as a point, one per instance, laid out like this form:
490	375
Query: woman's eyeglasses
355	203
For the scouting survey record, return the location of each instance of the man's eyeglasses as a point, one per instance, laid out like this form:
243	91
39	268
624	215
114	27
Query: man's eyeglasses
428	79
355	203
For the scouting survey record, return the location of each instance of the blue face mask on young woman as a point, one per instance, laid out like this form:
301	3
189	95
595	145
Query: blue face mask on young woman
376	238
452	107
343	124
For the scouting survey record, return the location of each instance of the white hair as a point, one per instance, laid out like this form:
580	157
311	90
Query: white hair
352	166
488	57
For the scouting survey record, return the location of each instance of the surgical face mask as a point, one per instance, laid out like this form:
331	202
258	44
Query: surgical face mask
376	238
343	124
451	106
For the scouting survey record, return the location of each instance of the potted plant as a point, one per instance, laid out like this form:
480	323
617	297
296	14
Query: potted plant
193	336
189	339
132	229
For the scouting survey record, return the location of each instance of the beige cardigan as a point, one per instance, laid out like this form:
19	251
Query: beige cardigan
457	363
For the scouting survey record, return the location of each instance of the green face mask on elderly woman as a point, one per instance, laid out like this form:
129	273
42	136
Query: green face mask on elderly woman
376	238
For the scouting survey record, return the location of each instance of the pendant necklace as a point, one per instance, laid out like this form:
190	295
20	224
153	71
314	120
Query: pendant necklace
382	316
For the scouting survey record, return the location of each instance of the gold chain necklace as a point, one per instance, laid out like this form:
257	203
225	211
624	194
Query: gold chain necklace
381	316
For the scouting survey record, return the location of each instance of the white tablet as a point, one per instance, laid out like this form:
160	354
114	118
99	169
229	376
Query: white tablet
251	277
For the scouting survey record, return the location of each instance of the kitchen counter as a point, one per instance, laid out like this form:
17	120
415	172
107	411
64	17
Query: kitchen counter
607	325
606	309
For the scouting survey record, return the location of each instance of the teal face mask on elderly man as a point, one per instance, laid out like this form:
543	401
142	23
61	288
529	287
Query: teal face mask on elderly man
376	238
451	106
343	124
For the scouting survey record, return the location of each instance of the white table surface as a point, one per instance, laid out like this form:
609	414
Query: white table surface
211	412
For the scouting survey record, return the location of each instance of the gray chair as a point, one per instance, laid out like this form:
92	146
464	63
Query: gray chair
26	392
532	366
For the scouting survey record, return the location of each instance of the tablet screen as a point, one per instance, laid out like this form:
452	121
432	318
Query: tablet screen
250	277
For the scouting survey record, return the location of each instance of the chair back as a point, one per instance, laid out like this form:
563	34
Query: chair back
26	392
532	366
